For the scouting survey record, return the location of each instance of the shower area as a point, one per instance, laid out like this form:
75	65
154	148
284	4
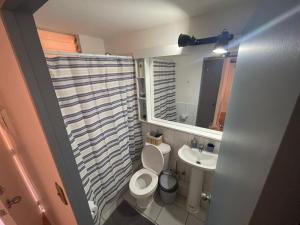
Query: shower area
98	102
164	89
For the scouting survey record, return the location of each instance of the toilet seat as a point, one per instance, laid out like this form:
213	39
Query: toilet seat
141	192
144	182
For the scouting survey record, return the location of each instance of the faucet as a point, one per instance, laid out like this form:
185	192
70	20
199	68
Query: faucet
194	144
201	147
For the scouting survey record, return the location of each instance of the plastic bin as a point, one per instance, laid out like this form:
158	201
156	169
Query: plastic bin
168	186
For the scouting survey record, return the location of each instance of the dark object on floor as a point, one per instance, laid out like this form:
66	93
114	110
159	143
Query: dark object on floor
168	186
126	215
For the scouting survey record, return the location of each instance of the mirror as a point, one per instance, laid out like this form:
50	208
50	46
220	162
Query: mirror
193	89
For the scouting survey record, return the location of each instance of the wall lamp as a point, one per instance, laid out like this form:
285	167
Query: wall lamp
221	41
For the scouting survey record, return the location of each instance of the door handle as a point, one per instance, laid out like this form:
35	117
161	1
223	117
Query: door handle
13	201
206	197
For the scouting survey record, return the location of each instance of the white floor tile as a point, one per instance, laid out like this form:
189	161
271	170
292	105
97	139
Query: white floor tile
130	199
172	215
192	220
202	215
180	201
153	210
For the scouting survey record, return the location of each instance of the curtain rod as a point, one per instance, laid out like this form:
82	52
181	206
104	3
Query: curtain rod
77	54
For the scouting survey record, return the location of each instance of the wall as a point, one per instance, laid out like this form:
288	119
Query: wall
233	19
91	44
32	144
176	139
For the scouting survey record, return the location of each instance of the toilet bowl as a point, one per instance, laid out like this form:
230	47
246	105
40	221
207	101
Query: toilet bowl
144	182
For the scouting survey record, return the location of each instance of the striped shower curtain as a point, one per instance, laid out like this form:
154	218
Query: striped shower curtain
97	98
164	89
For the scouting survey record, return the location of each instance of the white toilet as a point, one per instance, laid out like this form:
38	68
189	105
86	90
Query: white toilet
144	182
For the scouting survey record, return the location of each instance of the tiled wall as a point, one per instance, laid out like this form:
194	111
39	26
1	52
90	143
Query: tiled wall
176	139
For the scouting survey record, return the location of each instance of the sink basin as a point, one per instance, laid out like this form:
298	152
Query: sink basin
201	160
201	163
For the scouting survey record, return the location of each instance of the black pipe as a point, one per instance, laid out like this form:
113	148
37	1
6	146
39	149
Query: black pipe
186	40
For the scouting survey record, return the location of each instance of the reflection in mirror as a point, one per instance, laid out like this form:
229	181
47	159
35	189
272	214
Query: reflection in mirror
193	90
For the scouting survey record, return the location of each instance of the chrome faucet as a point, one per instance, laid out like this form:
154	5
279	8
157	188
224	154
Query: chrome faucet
201	147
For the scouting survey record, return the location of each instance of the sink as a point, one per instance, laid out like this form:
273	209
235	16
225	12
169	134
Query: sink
201	163
201	160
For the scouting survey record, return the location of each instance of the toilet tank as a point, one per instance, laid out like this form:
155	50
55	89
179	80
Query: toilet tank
165	150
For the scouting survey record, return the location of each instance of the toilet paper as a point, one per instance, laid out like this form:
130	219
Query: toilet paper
93	208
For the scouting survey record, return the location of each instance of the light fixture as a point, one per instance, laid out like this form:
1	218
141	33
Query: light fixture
221	46
220	50
221	41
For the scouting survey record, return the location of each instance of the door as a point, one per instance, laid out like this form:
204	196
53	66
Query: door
257	180
210	82
17	206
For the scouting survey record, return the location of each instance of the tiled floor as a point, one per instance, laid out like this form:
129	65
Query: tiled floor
165	214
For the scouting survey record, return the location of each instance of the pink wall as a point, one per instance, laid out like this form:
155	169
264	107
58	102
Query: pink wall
30	139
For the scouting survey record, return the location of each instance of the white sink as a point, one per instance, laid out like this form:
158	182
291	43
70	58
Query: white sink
201	160
201	163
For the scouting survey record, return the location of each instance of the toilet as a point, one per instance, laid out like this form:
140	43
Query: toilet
144	182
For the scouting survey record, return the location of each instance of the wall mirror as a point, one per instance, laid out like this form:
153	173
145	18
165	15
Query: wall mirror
190	91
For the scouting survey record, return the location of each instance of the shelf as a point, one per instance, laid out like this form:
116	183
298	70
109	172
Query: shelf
140	84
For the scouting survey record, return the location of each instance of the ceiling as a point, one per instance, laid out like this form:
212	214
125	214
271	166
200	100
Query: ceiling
107	18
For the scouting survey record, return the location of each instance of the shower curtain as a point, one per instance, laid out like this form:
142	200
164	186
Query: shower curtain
98	102
164	89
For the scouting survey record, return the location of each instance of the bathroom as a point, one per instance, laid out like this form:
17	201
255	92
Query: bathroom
148	112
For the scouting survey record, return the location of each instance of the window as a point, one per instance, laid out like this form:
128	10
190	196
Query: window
52	41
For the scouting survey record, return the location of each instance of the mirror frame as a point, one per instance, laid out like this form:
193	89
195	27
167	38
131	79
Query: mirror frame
148	55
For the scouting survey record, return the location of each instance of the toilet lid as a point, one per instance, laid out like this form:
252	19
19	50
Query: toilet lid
152	159
163	147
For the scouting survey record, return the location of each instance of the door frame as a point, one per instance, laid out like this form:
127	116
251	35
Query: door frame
17	16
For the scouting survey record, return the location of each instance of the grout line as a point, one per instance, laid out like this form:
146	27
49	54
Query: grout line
159	212
163	206
188	214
